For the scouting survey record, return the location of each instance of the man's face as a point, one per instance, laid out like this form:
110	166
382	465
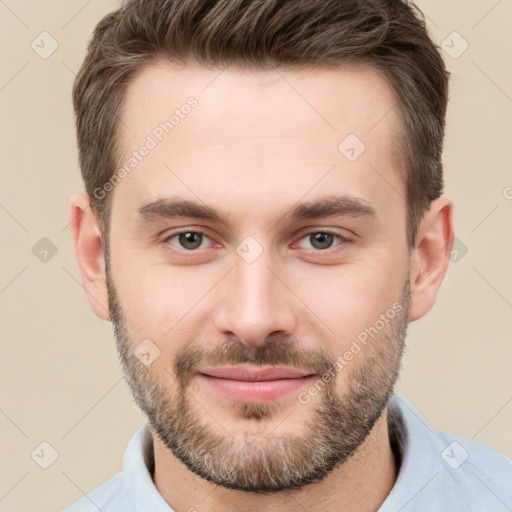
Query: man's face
277	328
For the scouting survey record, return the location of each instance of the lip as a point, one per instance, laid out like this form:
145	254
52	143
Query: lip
254	373
255	384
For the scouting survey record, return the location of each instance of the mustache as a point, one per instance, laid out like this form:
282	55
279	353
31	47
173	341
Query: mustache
275	351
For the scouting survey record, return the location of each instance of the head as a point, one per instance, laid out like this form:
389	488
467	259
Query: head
265	191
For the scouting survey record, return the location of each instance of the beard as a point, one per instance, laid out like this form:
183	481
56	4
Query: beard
252	461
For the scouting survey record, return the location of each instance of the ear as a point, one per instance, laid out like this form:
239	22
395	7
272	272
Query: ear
90	253
431	256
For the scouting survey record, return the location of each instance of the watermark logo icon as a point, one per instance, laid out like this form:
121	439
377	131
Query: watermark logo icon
249	249
44	455
44	45
146	352
44	250
454	45
459	250
351	147
454	455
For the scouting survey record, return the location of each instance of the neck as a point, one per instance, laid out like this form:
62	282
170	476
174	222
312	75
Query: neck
362	483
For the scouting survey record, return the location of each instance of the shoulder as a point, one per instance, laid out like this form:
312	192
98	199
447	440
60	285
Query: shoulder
477	467
442	471
470	476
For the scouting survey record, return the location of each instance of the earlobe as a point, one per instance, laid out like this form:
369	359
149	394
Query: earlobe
89	250
431	256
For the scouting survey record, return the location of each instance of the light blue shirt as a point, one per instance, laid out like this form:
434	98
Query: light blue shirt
439	472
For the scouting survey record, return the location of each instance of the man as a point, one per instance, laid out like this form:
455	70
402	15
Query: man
264	215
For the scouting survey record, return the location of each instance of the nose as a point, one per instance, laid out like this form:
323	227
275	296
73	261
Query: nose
253	302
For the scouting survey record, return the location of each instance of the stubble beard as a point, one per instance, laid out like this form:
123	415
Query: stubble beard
251	461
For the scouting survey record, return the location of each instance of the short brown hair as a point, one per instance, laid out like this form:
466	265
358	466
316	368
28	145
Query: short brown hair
388	35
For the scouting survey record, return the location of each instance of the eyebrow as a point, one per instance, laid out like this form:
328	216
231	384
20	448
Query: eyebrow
329	206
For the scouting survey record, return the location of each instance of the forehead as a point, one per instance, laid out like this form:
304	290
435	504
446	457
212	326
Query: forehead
316	102
252	127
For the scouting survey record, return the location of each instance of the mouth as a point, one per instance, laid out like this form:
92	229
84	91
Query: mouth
255	384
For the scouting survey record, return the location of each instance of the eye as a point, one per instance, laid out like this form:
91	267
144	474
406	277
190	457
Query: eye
321	240
188	240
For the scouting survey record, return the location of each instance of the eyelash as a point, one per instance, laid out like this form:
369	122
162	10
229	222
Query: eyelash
343	240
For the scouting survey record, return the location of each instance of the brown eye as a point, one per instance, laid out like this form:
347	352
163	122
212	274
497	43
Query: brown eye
189	240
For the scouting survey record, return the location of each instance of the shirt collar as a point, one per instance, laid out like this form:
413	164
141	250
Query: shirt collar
138	466
419	446
412	434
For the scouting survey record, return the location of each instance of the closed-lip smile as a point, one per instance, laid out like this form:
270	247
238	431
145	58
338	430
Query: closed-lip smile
255	384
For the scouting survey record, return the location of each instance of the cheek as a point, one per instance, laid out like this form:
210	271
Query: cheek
350	298
166	304
174	305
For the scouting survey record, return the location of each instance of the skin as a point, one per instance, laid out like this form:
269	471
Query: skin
252	149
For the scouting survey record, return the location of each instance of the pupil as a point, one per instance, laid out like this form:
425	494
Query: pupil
190	240
322	240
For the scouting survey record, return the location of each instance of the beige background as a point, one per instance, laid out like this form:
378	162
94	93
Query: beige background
60	381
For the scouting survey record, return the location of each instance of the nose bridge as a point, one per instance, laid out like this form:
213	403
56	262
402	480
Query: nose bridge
253	283
253	302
